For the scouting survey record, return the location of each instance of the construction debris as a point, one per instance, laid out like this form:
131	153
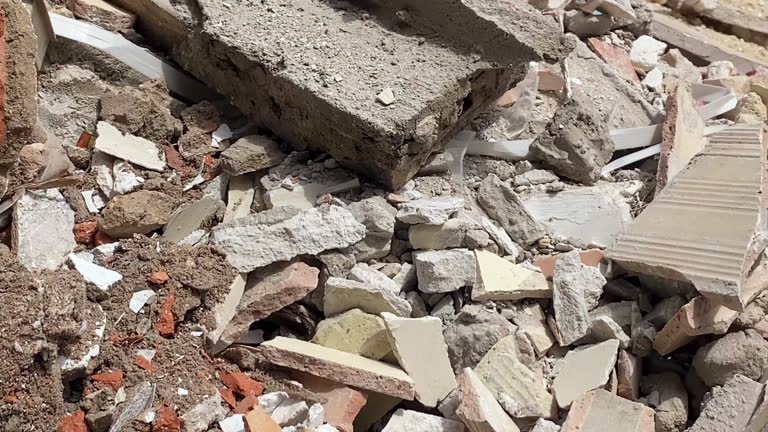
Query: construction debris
366	218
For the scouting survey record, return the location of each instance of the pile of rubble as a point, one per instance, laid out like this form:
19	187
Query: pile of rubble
362	219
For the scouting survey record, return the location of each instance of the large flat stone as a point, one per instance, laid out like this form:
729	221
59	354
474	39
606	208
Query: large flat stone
283	233
316	85
584	369
338	366
420	349
600	411
445	270
42	230
681	234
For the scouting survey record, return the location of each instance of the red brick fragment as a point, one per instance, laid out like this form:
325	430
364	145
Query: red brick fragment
591	257
113	379
85	233
246	404
209	161
74	422
228	396
166	325
143	363
241	383
85	140
617	57
167	420
174	160
158	278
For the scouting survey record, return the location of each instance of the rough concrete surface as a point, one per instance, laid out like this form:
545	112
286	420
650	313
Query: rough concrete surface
310	93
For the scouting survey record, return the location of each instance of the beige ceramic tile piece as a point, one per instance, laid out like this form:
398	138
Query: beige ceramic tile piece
584	369
499	279
600	411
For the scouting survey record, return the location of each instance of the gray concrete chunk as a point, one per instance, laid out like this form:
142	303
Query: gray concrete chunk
445	270
503	205
251	153
577	288
282	233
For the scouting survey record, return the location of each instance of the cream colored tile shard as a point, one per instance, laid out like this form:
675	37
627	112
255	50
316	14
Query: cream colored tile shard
420	349
338	366
708	225
532	322
478	408
240	195
510	381
584	369
354	332
499	279
133	149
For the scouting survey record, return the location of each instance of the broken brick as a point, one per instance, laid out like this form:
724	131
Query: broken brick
246	404
617	57
112	379
546	264
158	278
143	363
241	383
228	396
167	420
85	232
166	324
102	238
74	422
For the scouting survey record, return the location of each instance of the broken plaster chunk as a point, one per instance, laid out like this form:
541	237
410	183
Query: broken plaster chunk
269	290
240	194
720	69
140	298
93	201
532	323
430	211
386	97
102	277
503	205
499	279
413	421
654	79
338	366
125	180
730	406
645	52
283	233
511	380
290	412
478	409
378	216
420	349
445	270
535	177
577	288
42	230
355	332
451	234
233	423
342	295
188	218
584	369
133	149
599	410
585	215
251	153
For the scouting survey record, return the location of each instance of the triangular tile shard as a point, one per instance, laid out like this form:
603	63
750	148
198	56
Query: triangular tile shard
708	226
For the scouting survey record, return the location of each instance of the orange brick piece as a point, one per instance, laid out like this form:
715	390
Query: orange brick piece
158	278
241	383
166	325
74	422
600	410
113	379
167	420
259	421
85	232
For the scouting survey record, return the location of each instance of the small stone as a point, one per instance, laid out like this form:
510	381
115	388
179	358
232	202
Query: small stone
420	348
445	270
258	420
672	409
478	409
503	205
499	279
136	213
355	332
290	412
379	220
472	334
414	421
720	69
683	68
599	410
621	9
744	353
104	14
584	369
342	295
654	79
577	288
199	417
251	153
584	25
751	110
431	211
386	97
535	177
645	52
532	324
604	328
542	425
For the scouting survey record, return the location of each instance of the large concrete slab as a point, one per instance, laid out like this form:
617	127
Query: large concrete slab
311	71
707	226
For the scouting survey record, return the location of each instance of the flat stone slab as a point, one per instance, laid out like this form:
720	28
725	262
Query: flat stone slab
338	366
584	369
681	234
601	411
309	72
499	279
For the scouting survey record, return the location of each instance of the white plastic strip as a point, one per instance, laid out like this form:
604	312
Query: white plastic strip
631	158
136	57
